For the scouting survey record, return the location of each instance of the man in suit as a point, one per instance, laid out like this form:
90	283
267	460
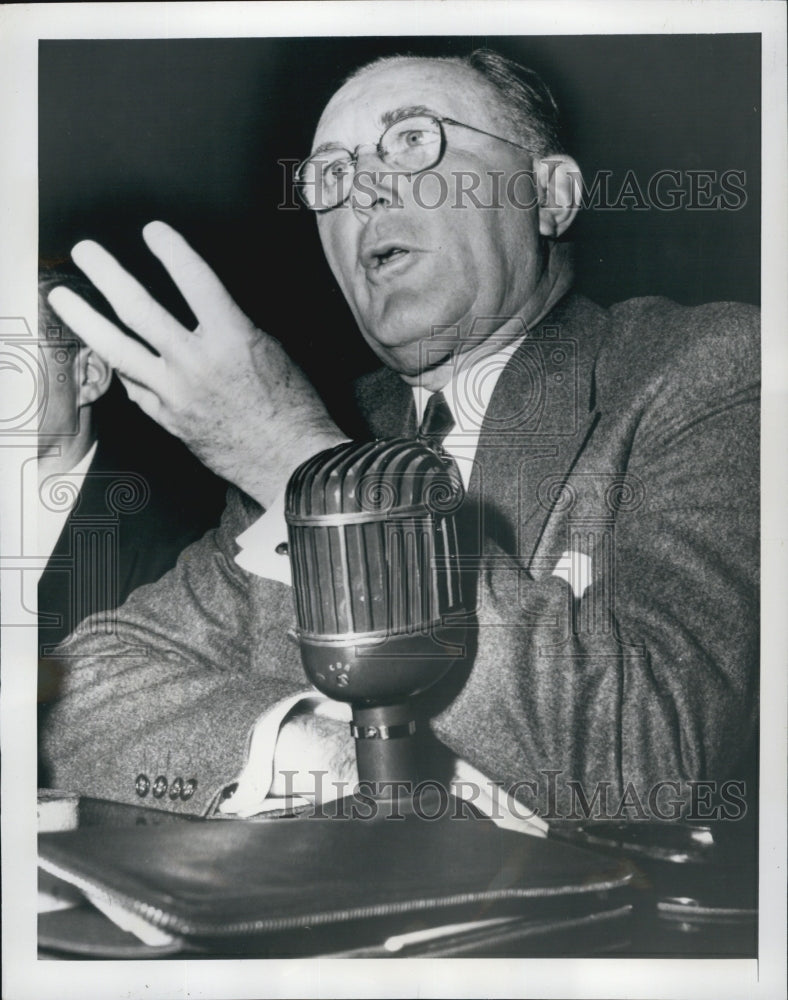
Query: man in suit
76	379
609	456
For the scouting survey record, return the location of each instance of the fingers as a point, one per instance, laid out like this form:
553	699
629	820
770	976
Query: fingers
146	399
133	304
118	349
207	296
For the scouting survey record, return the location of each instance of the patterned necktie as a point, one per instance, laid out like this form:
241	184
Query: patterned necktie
437	421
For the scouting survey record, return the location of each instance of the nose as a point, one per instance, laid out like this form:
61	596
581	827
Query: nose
375	185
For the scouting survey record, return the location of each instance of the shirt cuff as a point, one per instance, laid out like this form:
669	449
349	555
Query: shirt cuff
250	797
264	545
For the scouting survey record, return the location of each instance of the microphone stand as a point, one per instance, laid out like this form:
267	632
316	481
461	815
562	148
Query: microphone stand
386	745
373	548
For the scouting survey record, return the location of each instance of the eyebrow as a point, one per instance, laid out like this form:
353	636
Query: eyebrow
389	117
324	147
386	119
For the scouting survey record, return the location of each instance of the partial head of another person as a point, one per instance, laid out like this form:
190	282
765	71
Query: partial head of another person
75	377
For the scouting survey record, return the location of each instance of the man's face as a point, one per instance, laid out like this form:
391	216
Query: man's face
59	416
456	260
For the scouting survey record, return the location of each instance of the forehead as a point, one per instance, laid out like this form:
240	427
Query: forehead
354	115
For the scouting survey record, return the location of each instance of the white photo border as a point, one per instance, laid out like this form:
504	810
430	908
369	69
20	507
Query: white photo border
21	27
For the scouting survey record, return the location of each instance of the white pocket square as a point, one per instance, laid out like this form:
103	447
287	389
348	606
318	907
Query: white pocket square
575	569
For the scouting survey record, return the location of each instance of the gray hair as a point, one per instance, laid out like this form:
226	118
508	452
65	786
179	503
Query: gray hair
526	101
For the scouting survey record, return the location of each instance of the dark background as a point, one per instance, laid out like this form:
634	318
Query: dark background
190	131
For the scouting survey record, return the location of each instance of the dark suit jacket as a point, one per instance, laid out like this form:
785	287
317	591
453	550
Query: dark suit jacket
127	528
130	523
628	435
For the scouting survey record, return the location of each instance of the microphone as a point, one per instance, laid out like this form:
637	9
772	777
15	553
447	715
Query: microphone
375	562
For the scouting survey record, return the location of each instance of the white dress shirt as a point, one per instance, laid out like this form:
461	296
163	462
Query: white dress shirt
467	394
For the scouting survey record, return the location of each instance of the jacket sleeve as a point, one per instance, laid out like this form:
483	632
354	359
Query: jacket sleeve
170	689
651	675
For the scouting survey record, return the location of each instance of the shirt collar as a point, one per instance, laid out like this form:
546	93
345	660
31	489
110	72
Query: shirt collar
82	466
476	372
470	389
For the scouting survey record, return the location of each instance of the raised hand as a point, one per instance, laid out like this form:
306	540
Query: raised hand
228	390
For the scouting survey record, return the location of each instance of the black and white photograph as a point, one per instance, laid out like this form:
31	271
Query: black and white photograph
393	492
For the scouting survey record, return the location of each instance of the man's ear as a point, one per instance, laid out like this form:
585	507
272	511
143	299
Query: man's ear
94	376
559	187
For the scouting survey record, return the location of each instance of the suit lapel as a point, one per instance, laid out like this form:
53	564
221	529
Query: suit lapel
57	582
543	410
386	403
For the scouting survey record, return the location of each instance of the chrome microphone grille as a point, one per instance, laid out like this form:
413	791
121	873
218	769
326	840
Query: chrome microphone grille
372	539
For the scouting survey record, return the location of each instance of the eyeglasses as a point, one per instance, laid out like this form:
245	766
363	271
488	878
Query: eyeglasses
411	144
